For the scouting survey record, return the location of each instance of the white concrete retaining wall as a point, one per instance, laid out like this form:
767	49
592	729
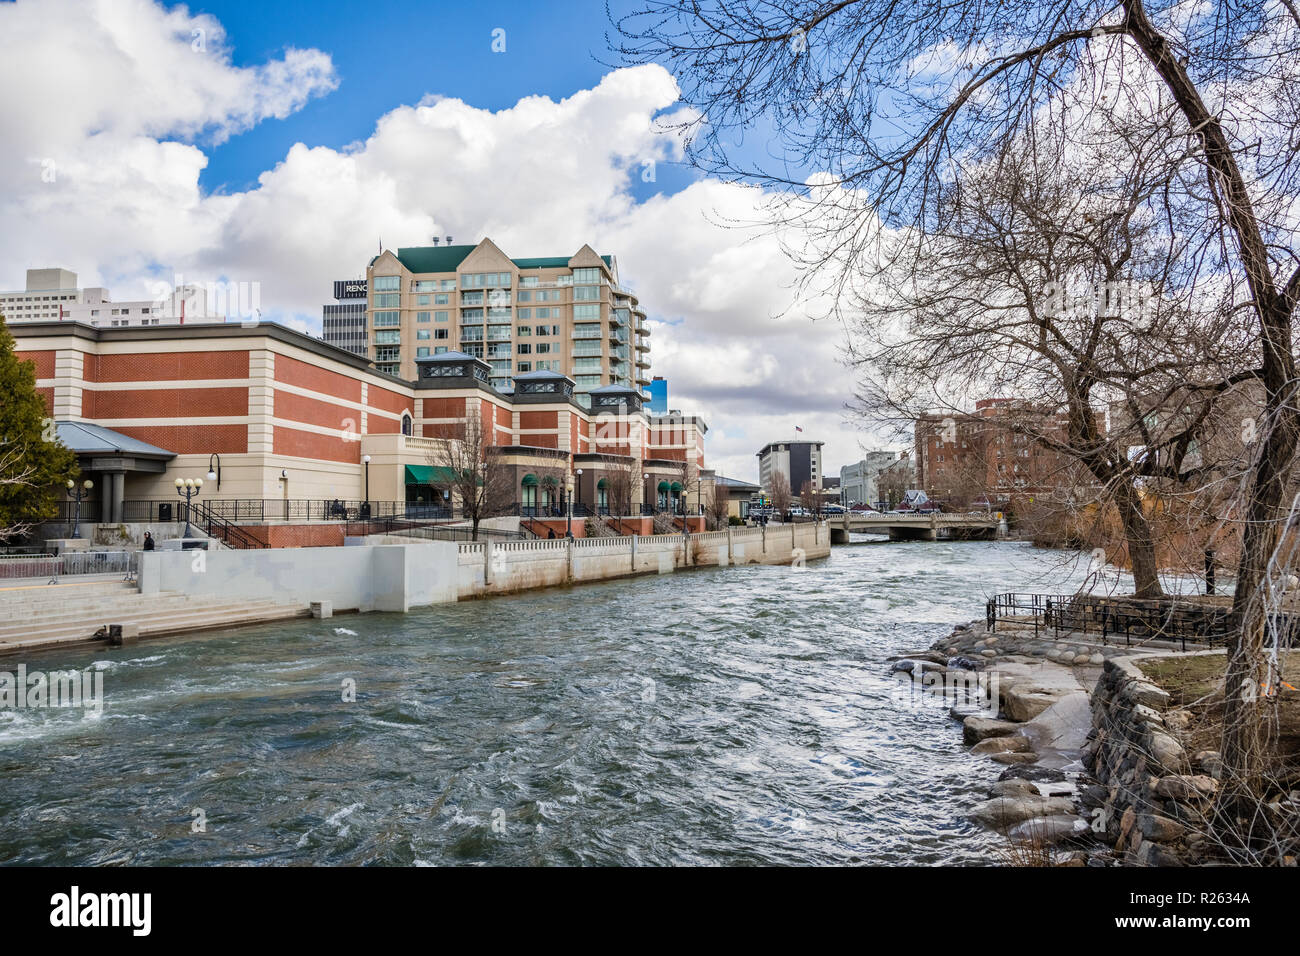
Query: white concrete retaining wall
501	567
395	576
366	578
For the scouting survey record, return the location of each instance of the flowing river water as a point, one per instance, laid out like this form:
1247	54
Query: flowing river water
722	716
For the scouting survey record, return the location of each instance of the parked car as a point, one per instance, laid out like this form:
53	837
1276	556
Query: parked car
834	510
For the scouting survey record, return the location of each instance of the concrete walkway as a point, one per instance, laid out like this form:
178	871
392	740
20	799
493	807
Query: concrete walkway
41	614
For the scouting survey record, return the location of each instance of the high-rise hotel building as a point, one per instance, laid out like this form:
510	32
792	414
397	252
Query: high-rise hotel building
564	314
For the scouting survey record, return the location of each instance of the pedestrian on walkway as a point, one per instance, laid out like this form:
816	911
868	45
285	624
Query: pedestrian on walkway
148	541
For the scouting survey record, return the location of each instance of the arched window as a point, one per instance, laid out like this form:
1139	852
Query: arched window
407	425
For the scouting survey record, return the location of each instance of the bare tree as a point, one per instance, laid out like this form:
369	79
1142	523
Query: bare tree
888	102
620	481
780	493
718	504
15	472
480	483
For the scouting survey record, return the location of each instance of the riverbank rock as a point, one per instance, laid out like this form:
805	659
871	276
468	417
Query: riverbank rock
1001	813
1014	743
1050	831
1015	758
1014	788
1034	774
1025	697
1063	726
975	729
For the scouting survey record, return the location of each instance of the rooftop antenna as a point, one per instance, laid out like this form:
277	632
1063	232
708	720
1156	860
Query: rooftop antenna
435	240
449	240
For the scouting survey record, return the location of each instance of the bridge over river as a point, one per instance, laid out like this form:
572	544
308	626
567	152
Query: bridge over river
915	527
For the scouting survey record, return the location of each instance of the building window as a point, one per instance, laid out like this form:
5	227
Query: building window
586	312
425	285
387	319
441	316
388	284
586	293
528	282
421	300
407	424
388	338
422	334
524	296
441	333
389	369
523	366
387	353
422	351
422	316
439	349
525	314
525	348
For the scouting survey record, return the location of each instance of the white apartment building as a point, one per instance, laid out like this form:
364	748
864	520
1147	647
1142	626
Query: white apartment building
52	295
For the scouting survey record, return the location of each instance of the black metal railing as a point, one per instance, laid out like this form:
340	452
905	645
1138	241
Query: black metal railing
1169	619
221	529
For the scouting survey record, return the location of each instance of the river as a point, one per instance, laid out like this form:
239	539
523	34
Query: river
722	716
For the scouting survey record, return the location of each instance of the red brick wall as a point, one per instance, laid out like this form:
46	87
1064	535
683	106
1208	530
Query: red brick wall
171	366
314	411
192	439
444	407
48	395
44	362
539	420
301	444
297	535
293	372
387	401
165	403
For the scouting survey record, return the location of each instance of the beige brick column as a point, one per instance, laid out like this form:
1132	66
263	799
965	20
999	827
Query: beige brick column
69	365
261	402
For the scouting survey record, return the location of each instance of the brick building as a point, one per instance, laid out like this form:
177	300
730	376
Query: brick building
979	458
282	417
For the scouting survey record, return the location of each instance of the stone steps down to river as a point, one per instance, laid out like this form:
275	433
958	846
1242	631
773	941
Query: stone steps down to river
72	612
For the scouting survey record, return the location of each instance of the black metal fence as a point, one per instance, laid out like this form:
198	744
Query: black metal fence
1169	619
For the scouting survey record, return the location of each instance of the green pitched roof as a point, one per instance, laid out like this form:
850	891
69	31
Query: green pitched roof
424	259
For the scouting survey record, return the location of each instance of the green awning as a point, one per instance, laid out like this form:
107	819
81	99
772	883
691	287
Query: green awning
675	487
601	483
429	475
663	486
529	479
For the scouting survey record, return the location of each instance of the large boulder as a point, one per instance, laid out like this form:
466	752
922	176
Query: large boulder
1025	697
1000	813
1062	726
1001	745
975	729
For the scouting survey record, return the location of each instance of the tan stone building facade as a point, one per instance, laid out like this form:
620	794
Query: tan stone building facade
566	314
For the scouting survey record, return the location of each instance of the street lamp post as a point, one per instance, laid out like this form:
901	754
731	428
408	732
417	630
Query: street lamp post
365	460
578	472
188	488
76	493
214	473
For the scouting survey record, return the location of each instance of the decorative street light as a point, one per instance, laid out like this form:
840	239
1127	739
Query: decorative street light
188	488
76	493
577	471
214	474
365	460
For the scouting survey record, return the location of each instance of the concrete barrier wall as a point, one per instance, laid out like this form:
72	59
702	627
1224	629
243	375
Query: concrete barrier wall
384	575
503	567
366	578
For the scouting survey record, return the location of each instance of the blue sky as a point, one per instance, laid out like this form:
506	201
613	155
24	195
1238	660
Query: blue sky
387	54
281	155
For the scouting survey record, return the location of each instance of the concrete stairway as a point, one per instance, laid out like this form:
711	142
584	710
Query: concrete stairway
41	615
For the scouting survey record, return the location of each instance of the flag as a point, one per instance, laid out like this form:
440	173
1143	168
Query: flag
797	428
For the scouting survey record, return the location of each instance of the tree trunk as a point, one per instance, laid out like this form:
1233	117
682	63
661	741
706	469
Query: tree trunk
1140	542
